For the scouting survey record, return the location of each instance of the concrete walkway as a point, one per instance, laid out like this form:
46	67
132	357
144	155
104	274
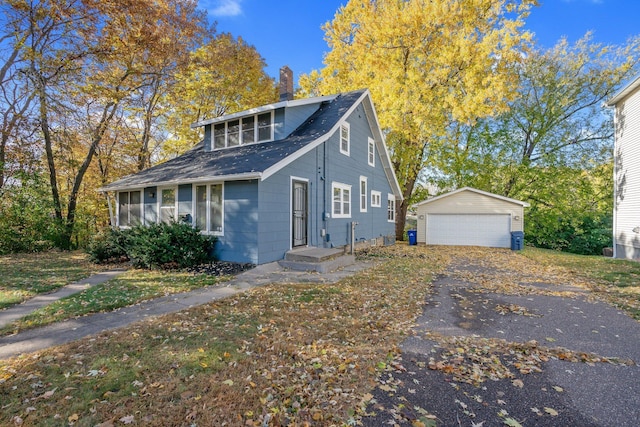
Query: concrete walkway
16	312
74	329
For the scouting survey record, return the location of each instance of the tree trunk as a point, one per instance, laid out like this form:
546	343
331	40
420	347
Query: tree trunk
107	114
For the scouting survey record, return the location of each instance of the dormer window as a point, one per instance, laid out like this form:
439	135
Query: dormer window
247	130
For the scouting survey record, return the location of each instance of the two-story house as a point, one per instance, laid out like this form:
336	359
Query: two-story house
292	174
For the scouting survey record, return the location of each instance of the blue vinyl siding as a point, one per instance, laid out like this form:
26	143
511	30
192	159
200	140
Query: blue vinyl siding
275	226
295	116
347	170
325	161
239	242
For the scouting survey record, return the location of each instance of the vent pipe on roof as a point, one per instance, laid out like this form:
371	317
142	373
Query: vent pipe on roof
286	84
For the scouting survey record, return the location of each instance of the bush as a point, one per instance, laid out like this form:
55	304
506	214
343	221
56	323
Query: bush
26	215
175	245
109	246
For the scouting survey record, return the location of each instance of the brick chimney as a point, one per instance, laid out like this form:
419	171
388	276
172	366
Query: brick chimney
286	84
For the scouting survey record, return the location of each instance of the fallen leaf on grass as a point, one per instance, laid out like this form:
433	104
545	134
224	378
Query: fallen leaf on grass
127	419
517	383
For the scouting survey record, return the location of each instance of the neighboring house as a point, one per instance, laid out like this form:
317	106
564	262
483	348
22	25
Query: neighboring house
626	208
292	174
469	217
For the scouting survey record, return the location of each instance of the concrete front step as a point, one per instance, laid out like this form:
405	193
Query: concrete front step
322	260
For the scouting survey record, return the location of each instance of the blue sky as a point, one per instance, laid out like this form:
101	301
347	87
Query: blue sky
287	32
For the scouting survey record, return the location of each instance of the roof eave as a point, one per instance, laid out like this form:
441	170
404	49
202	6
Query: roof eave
624	92
174	182
474	190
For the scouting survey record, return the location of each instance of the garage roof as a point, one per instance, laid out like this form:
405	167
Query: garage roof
474	190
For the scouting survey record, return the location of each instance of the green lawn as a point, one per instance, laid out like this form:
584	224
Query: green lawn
23	276
130	288
613	279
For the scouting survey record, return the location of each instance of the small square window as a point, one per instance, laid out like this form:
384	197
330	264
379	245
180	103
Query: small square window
376	197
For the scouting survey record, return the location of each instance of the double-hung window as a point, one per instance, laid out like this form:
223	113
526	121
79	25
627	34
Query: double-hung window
345	141
363	194
341	200
129	208
391	208
246	130
209	208
371	152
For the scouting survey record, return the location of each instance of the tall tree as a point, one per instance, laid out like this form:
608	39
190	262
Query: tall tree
86	59
553	147
225	75
429	64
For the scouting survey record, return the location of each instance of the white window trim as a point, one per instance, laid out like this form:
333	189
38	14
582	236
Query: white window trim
376	199
341	187
371	152
240	119
159	202
346	126
391	209
207	220
363	194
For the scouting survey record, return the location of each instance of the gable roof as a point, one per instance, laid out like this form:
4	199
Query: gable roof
258	160
473	190
624	92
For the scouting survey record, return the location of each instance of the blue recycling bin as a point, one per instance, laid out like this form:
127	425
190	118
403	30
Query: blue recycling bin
517	240
413	237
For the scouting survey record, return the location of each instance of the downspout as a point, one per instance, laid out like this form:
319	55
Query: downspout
353	236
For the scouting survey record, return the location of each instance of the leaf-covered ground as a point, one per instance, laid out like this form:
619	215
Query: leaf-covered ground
305	354
278	355
467	376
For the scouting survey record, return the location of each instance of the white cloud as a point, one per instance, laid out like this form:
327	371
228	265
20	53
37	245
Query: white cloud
226	8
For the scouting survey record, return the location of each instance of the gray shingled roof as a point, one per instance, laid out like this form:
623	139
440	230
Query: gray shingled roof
245	160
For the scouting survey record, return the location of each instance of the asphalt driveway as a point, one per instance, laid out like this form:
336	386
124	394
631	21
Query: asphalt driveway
498	346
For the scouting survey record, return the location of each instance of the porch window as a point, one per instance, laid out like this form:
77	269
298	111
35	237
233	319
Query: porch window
209	203
168	205
363	194
129	208
391	208
345	138
341	200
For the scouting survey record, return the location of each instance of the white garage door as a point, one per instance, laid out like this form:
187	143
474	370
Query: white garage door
469	230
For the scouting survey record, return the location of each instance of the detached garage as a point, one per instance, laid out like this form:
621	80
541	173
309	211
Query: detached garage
469	217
